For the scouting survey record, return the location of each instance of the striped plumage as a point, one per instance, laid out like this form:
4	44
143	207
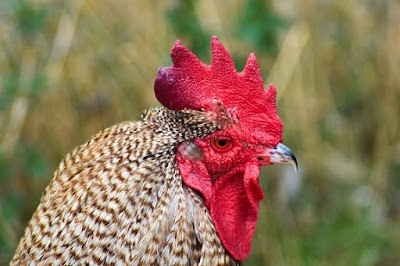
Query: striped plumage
119	199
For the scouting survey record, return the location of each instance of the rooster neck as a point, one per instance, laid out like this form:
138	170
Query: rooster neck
119	199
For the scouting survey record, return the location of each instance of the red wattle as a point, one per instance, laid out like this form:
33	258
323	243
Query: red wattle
234	209
233	201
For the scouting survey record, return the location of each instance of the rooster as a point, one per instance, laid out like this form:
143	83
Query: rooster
179	187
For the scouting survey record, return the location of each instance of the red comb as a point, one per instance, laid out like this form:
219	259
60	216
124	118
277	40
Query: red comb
191	84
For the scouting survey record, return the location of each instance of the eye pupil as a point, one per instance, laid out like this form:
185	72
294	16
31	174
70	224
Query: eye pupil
222	142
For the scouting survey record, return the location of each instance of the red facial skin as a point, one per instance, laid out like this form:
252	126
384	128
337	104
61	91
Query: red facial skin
227	178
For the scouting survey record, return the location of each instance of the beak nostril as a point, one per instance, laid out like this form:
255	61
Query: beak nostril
260	158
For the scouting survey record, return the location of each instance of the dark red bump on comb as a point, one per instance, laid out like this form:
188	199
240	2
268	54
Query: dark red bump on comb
191	84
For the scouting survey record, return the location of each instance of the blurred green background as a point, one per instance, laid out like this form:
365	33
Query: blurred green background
71	68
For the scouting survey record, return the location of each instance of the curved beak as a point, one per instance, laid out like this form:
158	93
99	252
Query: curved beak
280	154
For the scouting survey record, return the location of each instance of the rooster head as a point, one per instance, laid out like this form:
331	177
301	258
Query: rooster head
225	165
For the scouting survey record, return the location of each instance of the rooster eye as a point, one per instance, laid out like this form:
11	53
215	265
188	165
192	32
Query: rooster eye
222	143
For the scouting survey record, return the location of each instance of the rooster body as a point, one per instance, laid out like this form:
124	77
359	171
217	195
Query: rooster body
179	187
